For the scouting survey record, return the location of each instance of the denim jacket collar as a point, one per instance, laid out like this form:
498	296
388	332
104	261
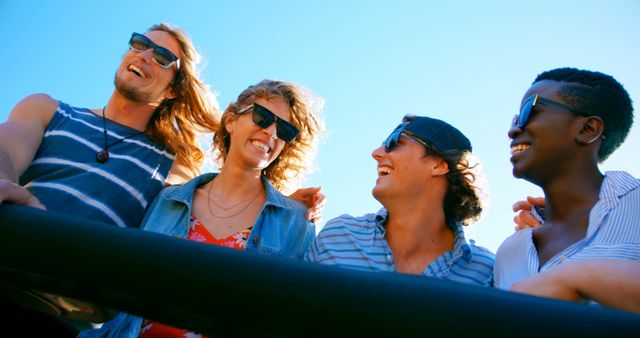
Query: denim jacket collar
185	193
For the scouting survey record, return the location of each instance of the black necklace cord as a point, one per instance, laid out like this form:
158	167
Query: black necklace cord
103	155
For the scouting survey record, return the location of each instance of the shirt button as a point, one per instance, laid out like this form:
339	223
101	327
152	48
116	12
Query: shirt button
256	240
388	258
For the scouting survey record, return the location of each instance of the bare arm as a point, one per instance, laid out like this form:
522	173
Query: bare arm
20	138
612	283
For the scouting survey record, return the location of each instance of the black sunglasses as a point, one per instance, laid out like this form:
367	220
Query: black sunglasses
392	140
520	120
263	117
161	55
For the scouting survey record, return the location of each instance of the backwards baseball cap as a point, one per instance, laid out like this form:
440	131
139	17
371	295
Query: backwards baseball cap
429	131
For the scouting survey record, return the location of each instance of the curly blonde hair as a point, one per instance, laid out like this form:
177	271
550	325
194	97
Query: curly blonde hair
296	156
176	122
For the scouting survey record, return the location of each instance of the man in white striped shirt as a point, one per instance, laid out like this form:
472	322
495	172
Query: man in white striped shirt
570	121
426	183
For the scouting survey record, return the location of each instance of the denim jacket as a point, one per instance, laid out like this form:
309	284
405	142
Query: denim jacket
281	229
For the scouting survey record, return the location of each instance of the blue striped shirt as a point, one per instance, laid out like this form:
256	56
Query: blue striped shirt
359	243
613	233
65	175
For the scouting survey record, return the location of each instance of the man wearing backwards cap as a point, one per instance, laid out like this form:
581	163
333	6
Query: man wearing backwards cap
426	185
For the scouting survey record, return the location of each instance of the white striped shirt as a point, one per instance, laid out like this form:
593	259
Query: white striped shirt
359	243
613	233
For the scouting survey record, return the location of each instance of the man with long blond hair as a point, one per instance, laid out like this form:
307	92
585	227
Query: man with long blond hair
108	163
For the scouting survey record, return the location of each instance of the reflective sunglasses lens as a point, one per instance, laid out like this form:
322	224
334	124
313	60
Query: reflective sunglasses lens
139	42
262	116
285	130
525	112
514	121
163	57
392	140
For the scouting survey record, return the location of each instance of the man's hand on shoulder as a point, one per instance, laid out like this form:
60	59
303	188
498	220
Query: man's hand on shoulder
313	199
525	217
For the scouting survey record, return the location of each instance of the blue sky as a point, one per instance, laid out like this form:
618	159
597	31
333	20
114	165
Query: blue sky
466	62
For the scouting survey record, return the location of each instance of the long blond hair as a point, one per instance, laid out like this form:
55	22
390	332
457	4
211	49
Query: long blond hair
176	122
297	155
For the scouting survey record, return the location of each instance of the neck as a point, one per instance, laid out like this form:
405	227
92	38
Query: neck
418	229
235	184
135	115
572	193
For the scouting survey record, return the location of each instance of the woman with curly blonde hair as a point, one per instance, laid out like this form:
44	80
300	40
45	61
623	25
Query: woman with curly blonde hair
264	142
296	154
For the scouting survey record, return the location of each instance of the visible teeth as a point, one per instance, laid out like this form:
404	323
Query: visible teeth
260	145
384	171
519	148
136	70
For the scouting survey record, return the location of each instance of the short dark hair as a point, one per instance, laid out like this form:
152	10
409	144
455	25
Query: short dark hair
600	95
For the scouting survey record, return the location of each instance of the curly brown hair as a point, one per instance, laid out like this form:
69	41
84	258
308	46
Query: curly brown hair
296	156
176	122
463	200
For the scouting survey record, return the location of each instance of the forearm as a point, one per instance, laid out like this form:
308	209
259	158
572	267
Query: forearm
7	170
612	283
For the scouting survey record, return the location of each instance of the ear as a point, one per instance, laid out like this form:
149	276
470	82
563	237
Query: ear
591	130
170	93
439	167
229	123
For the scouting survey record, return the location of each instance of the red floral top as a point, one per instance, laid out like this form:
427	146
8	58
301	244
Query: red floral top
197	232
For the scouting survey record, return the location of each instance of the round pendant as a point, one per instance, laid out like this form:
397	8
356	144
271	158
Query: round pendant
102	156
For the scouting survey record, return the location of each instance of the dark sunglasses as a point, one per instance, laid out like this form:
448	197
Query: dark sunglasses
263	117
392	140
161	55
520	120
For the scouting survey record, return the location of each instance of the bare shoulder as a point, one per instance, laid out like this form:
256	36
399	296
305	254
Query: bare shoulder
27	122
36	107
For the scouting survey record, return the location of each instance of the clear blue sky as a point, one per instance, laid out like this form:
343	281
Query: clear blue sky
466	62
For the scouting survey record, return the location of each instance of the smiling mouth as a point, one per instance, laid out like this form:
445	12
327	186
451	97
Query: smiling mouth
384	171
519	148
137	71
262	146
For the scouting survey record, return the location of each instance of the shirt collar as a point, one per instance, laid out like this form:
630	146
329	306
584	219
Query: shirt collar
615	185
461	248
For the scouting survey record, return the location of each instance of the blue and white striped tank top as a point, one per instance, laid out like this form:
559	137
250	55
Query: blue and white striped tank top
66	177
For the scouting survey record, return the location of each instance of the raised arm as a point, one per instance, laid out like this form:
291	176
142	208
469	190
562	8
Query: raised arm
612	283
20	137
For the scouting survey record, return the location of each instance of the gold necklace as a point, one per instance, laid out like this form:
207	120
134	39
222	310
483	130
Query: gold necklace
248	203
